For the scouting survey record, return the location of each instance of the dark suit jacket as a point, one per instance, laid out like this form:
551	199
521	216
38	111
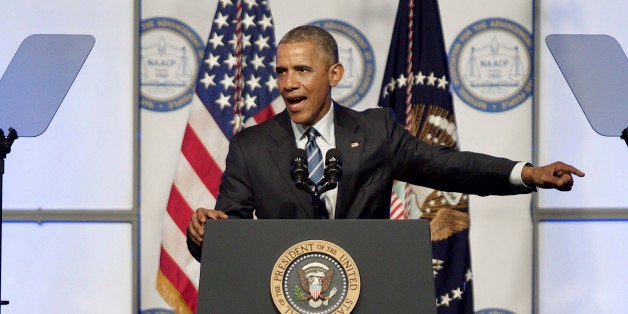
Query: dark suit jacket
375	151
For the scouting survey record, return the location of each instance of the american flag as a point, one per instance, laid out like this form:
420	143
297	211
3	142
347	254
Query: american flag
416	87
237	87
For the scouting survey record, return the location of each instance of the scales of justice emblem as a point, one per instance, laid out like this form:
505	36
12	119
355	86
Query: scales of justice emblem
490	65
494	67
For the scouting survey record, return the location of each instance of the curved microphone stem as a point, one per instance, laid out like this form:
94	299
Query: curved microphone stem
304	186
329	185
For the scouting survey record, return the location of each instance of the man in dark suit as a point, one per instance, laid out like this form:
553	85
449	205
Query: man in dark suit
375	151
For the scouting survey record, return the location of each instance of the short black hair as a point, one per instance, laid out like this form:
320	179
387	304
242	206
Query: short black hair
326	46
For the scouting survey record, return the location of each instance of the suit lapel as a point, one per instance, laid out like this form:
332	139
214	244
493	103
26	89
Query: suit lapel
350	142
284	144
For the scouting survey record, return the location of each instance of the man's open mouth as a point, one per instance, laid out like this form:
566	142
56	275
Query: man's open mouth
295	100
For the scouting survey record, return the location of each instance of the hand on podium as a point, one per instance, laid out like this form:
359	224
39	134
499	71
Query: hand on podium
197	223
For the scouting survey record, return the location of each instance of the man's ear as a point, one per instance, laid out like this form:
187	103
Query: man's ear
335	74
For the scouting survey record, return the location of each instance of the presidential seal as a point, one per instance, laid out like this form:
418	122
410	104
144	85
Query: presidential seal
491	65
169	59
315	277
357	56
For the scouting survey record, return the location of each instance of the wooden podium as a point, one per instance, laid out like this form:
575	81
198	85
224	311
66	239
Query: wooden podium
378	266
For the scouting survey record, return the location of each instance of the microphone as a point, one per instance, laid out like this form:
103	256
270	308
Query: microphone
333	169
298	170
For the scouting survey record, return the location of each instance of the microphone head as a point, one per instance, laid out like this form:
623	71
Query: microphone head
298	154
298	170
333	165
333	155
298	166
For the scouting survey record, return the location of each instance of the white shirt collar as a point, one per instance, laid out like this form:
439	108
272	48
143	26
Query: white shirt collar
324	126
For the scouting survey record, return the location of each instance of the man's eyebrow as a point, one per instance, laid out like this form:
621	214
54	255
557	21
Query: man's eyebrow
302	67
297	67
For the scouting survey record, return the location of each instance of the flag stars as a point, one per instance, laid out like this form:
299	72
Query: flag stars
212	61
226	3
248	20
384	92
208	80
442	82
415	79
271	83
253	82
401	81
468	276
221	20
223	101
431	79
233	80
437	265
227	82
262	42
410	79
249	102
457	293
251	3
216	40
445	299
245	41
237	121
391	85
231	61
257	62
419	79
265	22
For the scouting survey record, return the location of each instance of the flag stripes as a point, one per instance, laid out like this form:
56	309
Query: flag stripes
182	284
236	87
201	161
396	207
176	209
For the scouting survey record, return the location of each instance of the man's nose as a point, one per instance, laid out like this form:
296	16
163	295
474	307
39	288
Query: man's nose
291	82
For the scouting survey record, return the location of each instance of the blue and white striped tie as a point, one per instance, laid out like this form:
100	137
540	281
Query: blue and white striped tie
314	156
315	166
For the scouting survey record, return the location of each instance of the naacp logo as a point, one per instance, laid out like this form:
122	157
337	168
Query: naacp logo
315	277
357	57
169	58
490	65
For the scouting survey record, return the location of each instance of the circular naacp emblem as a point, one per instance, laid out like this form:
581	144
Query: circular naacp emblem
315	277
490	65
169	59
357	57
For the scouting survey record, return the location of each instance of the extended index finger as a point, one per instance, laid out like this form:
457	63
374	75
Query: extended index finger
572	169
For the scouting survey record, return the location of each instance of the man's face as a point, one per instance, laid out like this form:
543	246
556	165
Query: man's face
305	82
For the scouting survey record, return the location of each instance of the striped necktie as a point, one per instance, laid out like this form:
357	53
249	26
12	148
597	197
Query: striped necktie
314	156
315	165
